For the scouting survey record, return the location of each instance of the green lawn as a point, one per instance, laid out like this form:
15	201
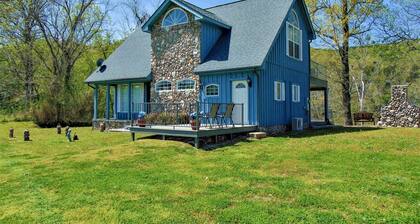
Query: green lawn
370	176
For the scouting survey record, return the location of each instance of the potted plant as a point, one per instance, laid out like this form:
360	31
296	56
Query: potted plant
141	121
194	121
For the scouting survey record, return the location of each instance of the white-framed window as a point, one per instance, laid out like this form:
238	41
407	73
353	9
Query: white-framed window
174	17
163	86
185	85
294	37
296	93
123	98
212	90
279	91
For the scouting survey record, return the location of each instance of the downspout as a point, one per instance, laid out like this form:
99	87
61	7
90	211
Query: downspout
257	122
309	86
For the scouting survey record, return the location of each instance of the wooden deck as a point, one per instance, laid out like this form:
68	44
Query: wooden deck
186	131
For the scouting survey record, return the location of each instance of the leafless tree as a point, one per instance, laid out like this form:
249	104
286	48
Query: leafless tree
67	27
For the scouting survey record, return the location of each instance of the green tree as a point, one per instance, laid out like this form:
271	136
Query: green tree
337	23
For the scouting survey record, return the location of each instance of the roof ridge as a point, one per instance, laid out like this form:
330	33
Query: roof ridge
229	3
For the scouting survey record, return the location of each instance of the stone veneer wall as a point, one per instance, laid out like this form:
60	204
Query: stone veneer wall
399	112
175	54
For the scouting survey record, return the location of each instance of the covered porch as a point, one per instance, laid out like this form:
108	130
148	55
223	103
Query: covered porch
319	91
119	102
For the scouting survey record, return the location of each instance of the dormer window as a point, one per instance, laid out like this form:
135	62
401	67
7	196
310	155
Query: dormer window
294	37
175	17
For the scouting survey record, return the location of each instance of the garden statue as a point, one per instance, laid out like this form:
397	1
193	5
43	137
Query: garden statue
68	133
102	127
59	129
11	133
75	137
26	135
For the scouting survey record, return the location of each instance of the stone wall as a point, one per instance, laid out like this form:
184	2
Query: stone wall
175	54
399	112
111	124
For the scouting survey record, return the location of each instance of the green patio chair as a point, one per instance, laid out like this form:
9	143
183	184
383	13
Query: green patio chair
212	115
227	116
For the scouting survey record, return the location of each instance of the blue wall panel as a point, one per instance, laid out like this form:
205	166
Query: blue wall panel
210	34
279	67
224	80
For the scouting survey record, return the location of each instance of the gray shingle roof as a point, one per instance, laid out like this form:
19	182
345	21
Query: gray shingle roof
132	60
255	24
205	13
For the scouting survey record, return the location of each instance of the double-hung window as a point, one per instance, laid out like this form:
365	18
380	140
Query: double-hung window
279	91
296	93
294	37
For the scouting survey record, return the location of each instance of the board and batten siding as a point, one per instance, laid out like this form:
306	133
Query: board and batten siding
224	81
210	34
280	67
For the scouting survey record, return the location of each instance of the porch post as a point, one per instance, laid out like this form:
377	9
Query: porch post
130	114
95	102
115	101
326	105
108	99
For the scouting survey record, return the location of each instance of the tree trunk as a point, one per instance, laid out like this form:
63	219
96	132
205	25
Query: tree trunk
345	65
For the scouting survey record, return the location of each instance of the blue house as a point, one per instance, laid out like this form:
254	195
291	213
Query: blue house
253	53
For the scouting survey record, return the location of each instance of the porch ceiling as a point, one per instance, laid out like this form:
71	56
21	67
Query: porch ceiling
317	84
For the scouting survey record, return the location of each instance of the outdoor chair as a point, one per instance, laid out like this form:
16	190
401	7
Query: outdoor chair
213	115
227	116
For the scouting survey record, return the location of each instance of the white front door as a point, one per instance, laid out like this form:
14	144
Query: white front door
240	99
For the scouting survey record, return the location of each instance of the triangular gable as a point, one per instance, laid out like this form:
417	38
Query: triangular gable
199	14
309	20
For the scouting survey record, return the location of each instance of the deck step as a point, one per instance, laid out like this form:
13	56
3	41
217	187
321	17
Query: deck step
258	135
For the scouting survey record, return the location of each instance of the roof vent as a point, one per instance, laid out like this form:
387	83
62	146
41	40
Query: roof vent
99	62
102	68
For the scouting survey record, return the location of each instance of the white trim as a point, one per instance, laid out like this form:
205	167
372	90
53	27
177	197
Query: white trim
295	93
218	90
297	17
287	42
163	91
168	12
185	90
282	89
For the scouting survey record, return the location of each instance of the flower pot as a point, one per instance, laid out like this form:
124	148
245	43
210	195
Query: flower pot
194	125
141	123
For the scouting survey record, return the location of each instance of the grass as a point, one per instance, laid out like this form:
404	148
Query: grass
339	176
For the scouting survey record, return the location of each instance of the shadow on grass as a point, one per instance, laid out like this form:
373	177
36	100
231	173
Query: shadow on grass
327	131
206	144
210	143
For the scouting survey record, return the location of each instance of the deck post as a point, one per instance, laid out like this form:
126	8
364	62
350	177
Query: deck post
95	103
108	99
129	102
197	142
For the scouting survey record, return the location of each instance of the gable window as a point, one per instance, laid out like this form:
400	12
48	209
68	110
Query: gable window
163	86
294	37
175	17
186	84
212	90
296	93
279	91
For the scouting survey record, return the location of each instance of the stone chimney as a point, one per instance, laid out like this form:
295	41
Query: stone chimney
399	112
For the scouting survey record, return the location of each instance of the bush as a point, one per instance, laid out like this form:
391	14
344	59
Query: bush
165	118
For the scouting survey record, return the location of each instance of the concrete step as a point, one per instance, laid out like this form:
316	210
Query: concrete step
258	135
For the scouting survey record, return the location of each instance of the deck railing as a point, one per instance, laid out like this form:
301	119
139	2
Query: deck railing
196	114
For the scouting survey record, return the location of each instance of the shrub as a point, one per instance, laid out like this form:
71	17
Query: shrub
165	118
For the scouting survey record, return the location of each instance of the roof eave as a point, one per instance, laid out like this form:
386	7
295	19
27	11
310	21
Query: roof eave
146	27
237	69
